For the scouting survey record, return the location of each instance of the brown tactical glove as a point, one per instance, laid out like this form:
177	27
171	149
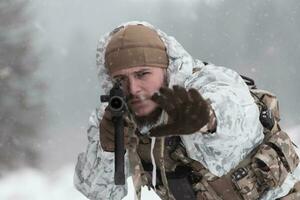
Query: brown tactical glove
187	111
107	132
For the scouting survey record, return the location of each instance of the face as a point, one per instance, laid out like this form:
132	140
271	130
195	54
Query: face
139	84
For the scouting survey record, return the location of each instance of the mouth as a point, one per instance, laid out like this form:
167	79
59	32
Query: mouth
135	102
138	100
138	103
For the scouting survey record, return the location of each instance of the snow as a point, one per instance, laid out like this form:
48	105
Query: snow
294	133
32	184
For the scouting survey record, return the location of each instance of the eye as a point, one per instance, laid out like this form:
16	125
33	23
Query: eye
120	79
142	74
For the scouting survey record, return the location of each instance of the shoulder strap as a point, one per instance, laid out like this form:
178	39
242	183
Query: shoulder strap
249	81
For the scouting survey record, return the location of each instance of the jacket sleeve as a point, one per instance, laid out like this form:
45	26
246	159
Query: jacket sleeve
238	128
94	172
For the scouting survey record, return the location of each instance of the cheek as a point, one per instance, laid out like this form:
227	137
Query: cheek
154	88
156	85
151	89
149	107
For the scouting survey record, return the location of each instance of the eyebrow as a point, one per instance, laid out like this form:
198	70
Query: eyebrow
119	76
135	72
141	70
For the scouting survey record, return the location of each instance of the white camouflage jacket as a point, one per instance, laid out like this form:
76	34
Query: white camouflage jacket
238	127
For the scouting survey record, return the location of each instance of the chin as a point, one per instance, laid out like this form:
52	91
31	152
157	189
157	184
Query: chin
143	112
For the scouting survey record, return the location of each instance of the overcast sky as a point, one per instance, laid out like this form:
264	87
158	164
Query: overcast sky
257	38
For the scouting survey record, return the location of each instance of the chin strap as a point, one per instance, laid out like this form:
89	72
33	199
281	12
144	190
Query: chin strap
153	139
163	119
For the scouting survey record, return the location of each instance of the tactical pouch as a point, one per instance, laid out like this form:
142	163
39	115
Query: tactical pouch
269	100
246	183
180	185
281	142
268	167
181	188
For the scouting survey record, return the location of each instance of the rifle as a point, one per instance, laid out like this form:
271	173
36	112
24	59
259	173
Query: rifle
117	105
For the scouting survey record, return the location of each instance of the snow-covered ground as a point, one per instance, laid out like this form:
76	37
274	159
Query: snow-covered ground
30	184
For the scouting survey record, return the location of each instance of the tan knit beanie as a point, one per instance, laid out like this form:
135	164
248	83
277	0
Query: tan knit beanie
135	45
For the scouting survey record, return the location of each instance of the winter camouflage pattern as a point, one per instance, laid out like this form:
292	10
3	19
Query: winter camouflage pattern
94	173
211	126
294	194
238	130
236	134
252	180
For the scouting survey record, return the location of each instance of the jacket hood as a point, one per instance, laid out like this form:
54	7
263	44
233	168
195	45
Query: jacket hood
180	67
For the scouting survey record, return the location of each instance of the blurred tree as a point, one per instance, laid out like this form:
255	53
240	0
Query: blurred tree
21	103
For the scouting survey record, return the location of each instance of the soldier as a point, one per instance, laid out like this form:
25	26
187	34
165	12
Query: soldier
193	130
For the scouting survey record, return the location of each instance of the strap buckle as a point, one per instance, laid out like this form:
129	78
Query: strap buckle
239	174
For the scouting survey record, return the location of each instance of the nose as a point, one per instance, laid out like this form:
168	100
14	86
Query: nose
133	86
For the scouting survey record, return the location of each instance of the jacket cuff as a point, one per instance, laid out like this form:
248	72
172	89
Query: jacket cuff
211	125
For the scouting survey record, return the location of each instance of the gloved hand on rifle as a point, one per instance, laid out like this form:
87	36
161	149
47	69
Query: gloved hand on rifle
107	132
187	111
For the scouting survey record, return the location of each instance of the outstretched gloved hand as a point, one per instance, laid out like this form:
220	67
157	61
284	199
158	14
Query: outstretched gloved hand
187	111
